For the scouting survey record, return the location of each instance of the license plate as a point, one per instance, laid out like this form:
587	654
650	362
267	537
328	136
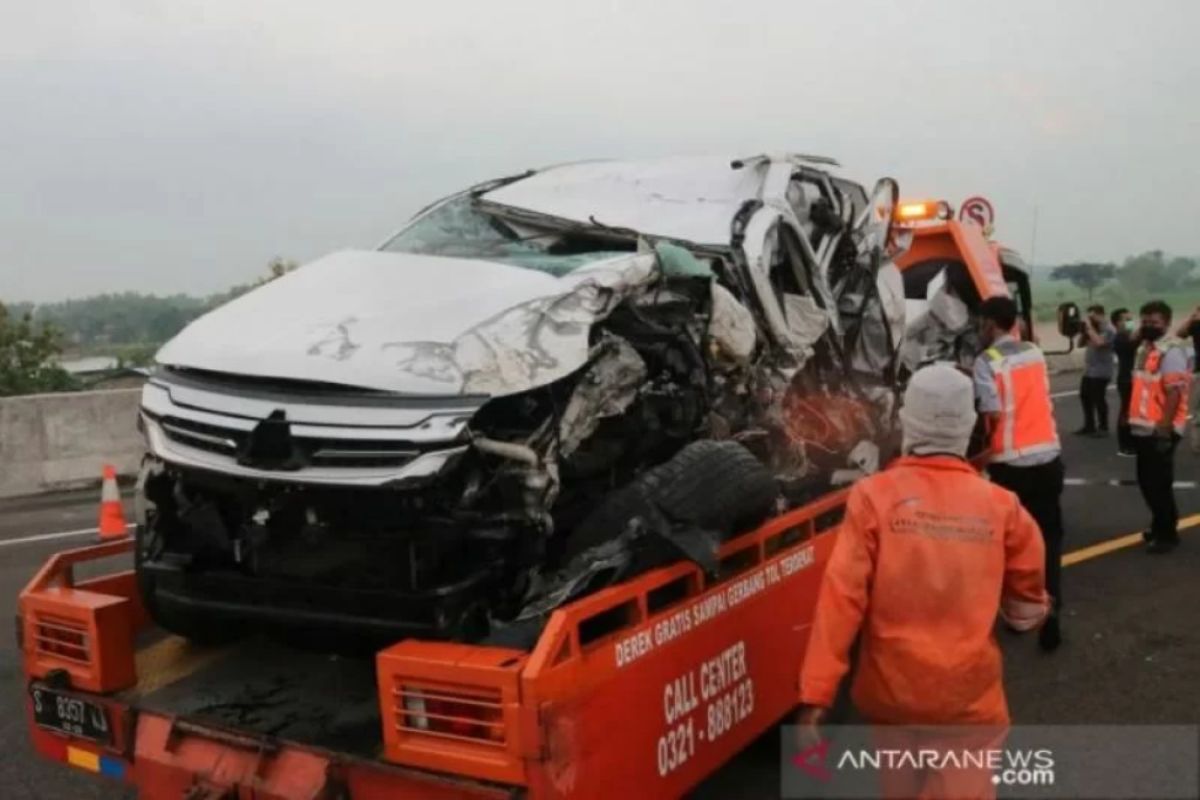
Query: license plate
70	715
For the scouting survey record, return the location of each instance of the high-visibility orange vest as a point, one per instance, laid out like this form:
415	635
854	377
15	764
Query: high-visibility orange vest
1148	400
1027	424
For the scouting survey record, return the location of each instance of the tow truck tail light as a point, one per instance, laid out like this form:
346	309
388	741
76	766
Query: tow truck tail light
456	708
63	638
451	713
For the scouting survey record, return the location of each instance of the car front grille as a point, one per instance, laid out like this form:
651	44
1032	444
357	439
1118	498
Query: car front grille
210	438
323	452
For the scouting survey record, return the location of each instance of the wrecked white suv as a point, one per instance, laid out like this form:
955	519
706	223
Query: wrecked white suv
434	437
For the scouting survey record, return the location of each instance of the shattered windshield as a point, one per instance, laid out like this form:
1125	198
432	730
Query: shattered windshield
457	229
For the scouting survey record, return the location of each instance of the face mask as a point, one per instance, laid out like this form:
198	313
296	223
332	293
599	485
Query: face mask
1151	334
1130	325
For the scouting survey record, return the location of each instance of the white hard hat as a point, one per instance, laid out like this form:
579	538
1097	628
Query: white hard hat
939	411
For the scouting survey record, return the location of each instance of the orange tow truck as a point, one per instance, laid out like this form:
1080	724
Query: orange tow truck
962	251
643	689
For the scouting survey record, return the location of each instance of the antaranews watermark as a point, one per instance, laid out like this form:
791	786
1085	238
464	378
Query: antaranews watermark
972	761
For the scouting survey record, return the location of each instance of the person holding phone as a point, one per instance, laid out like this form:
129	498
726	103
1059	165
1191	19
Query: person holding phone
1097	337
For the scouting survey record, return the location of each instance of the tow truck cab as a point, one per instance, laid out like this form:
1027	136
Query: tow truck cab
946	250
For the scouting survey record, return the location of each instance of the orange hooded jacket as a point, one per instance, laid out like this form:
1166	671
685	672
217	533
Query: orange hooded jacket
928	554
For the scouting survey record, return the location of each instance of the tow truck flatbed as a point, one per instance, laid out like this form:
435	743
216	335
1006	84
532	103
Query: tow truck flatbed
264	689
643	689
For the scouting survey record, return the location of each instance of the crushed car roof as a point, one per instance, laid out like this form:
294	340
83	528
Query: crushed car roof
688	198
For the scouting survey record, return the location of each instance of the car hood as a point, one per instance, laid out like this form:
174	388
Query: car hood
412	324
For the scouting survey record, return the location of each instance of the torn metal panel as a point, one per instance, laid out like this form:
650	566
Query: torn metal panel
606	389
943	332
647	542
881	329
532	344
806	324
760	248
731	328
764	255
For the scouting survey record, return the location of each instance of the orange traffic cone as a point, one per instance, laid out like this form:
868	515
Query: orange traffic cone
112	516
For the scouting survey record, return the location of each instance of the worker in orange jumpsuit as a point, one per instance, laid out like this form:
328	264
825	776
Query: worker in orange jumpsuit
928	554
1012	388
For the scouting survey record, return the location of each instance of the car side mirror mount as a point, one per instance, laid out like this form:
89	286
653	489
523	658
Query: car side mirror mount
1070	325
1070	321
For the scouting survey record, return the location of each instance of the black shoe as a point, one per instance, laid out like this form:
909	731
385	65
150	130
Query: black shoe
1086	432
1147	536
1050	636
1160	545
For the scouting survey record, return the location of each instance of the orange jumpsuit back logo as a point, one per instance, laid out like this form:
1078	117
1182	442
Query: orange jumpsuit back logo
928	555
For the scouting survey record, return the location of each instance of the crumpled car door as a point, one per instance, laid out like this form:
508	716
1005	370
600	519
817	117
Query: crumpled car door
794	298
871	295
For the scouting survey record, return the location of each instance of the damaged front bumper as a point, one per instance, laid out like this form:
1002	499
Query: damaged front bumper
359	441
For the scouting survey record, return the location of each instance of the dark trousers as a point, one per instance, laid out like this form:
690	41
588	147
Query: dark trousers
1124	434
1156	479
1040	490
1092	395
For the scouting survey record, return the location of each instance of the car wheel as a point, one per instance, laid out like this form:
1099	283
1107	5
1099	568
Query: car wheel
718	486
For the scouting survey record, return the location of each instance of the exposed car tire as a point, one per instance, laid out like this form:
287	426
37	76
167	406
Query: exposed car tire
719	486
192	625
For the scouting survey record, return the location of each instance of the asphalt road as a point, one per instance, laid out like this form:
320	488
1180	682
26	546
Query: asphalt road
1132	650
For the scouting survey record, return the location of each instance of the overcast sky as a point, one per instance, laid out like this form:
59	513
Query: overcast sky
176	146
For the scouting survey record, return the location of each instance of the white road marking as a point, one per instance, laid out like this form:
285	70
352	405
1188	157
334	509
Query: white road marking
1122	482
46	537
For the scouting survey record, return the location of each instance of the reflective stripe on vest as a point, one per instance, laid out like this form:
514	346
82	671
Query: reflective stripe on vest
1027	425
1148	400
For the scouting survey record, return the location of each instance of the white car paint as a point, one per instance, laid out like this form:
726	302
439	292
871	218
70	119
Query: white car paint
411	324
692	199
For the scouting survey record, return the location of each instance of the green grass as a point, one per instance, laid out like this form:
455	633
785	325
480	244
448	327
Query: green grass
1047	295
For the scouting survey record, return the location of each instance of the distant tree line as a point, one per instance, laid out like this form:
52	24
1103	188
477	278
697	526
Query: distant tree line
132	318
128	325
1149	274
